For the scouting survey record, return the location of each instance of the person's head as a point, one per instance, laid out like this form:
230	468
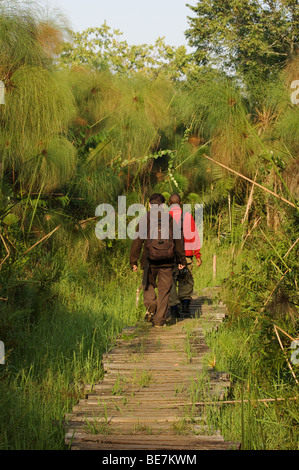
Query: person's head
157	199
175	199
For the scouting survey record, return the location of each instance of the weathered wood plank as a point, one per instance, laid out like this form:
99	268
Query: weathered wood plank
147	388
159	442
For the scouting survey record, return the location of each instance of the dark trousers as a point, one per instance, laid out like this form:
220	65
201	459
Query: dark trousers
183	288
160	278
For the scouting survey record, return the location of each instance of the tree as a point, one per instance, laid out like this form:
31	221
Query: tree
102	48
245	35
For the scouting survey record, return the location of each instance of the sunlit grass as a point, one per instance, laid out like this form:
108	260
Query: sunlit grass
57	355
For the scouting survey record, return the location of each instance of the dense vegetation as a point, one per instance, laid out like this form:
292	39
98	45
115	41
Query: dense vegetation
87	118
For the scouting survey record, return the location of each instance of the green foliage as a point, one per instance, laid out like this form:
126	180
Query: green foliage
107	119
55	336
102	49
262	294
38	108
22	47
244	35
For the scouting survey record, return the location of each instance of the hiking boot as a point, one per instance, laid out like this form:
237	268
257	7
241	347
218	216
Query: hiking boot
175	311
185	306
150	313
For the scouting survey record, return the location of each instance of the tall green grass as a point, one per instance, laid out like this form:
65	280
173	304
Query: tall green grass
251	355
249	418
204	276
60	349
56	336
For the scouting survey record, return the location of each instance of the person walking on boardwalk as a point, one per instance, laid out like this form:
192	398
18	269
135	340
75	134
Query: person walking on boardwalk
183	285
159	248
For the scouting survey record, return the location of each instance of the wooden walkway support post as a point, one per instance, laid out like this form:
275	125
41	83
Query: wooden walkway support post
214	267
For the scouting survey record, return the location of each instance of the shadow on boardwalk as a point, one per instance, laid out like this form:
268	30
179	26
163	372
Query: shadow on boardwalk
146	399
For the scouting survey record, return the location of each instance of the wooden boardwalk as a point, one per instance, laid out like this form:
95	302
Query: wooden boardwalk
152	379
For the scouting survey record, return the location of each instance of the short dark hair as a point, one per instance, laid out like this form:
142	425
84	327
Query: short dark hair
157	199
175	199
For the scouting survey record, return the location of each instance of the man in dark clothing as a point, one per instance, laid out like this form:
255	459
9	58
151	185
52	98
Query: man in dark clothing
157	273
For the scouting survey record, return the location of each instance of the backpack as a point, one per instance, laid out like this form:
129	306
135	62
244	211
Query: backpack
161	247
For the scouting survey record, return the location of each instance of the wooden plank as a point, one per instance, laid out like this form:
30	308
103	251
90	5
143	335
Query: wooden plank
149	366
143	419
159	442
147	385
164	440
